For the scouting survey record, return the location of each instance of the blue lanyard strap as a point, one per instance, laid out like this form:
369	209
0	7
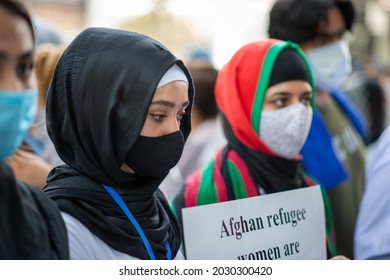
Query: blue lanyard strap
130	216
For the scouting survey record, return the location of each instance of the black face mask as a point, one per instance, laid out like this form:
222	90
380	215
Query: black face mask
155	156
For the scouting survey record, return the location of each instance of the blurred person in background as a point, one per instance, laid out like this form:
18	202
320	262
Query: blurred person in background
36	156
376	108
372	228
31	226
34	159
46	58
372	234
50	45
45	30
48	42
206	136
366	88
334	152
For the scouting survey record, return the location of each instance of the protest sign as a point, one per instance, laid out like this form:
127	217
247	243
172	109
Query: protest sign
285	225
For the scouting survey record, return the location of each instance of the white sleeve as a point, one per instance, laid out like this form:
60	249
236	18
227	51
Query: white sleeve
80	247
84	245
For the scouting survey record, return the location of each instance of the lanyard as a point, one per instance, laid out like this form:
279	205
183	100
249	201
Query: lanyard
130	216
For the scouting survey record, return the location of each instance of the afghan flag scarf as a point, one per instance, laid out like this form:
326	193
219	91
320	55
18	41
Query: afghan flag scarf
246	167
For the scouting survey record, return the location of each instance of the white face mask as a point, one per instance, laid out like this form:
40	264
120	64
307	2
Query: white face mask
331	64
284	131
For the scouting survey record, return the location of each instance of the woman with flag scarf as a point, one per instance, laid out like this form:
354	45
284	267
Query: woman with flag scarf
266	96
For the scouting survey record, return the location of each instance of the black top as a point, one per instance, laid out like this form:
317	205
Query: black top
31	226
96	107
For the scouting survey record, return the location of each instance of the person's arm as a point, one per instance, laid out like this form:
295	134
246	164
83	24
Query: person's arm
372	233
29	168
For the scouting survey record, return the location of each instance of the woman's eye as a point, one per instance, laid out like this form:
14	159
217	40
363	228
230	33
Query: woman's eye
157	117
24	70
306	100
180	117
279	102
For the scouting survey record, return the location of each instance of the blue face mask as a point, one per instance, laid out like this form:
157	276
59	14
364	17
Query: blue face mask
17	112
331	64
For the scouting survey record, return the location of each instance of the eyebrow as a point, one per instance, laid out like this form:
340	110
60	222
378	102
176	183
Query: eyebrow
286	93
168	103
28	54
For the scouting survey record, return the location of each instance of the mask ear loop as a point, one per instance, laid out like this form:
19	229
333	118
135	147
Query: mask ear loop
130	216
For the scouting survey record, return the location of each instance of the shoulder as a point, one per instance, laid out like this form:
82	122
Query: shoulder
84	245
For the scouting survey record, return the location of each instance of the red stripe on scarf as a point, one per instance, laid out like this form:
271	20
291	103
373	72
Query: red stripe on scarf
192	188
249	184
218	179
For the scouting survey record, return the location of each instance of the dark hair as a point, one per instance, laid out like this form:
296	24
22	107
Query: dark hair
17	8
204	77
375	100
298	20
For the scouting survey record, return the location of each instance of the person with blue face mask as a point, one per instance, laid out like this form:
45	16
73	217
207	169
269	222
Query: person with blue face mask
18	107
31	226
334	152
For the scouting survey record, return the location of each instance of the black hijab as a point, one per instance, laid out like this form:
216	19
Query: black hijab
96	107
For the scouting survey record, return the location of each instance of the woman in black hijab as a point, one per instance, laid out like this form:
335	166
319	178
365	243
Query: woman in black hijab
118	112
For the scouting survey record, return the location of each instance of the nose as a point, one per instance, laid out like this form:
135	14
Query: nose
172	126
295	100
9	81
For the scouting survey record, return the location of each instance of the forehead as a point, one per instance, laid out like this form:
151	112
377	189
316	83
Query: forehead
15	34
335	21
293	87
177	91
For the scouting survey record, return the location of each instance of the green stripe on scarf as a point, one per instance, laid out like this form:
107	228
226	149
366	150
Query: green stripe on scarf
207	192
237	181
329	222
328	214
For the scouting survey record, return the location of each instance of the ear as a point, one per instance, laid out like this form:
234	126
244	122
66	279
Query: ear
40	61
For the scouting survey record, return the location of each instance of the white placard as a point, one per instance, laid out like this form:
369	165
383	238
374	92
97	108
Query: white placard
285	225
